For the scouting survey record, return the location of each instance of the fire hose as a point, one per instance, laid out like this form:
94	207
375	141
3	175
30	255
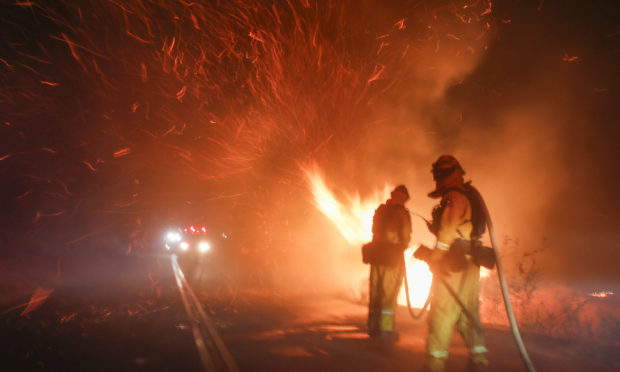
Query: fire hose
503	286
452	292
428	299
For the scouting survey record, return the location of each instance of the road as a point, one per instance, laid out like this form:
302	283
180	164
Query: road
128	315
326	333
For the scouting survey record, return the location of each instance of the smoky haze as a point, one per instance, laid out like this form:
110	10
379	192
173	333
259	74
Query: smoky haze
532	121
122	121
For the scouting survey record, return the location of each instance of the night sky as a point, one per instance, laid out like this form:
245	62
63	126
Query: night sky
118	120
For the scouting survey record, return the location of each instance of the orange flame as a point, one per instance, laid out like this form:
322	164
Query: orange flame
353	219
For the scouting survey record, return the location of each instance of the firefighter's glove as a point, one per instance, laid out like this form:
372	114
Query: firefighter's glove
481	255
484	256
435	260
463	246
455	259
423	253
439	267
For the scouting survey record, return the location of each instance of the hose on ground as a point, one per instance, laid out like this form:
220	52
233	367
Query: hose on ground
504	287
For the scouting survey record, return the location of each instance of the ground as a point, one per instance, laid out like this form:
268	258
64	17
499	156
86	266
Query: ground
126	314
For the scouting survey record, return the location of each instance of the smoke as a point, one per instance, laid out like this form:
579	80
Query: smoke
378	133
527	118
124	118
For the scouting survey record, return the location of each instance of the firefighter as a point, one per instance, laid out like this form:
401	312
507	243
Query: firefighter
452	220
391	229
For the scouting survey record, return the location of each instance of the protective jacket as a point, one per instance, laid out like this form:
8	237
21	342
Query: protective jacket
454	219
391	235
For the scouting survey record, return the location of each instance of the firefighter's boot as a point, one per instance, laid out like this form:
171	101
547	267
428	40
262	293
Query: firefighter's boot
478	362
435	364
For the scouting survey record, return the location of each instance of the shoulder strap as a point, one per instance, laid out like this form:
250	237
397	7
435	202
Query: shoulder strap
478	219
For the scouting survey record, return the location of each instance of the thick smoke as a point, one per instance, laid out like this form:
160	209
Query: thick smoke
528	118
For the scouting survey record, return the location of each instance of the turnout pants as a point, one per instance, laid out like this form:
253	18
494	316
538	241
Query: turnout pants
445	313
385	282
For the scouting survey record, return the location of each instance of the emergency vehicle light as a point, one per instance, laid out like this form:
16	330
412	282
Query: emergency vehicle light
204	247
173	237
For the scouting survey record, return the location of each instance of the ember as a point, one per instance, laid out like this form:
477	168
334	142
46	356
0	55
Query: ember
601	294
213	105
38	298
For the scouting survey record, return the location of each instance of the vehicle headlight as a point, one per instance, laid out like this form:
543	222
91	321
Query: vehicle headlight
184	246
204	247
173	237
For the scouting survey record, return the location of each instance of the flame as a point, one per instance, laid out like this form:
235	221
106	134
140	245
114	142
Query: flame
354	221
601	294
419	278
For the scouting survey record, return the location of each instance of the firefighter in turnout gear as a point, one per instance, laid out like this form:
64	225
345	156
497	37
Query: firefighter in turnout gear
391	229
454	220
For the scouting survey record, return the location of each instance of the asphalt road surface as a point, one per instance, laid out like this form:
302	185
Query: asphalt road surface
128	315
